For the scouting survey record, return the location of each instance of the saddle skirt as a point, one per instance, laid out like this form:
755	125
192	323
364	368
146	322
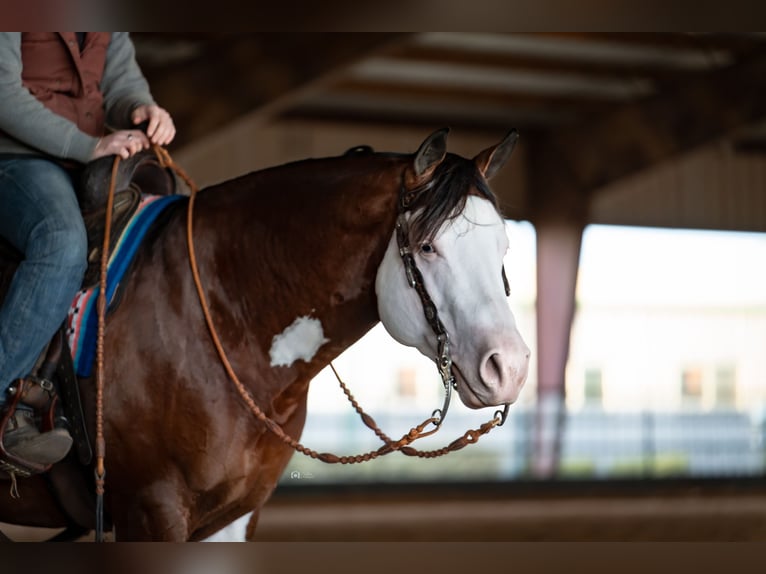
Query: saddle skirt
82	319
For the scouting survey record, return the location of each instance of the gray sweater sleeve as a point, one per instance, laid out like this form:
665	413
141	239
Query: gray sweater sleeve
25	118
123	85
34	128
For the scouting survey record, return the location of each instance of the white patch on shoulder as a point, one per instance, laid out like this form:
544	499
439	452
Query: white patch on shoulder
301	340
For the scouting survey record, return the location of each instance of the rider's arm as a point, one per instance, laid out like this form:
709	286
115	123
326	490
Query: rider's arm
123	84
30	125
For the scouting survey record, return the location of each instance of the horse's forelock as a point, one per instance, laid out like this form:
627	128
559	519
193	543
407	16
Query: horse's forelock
453	181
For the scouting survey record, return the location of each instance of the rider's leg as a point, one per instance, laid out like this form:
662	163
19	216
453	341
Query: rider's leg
40	217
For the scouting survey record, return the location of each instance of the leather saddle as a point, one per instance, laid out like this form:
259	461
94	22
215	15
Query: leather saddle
139	174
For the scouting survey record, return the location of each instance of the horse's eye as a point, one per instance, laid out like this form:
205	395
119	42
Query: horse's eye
427	248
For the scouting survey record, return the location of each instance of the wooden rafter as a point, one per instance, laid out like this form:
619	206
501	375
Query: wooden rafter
236	74
570	162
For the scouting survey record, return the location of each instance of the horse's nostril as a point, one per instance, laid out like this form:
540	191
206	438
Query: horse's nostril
492	370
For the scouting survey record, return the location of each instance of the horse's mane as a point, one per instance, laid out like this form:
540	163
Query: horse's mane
453	181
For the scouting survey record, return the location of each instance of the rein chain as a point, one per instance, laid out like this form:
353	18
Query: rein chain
415	279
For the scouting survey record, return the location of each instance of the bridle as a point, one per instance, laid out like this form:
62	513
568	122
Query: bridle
415	280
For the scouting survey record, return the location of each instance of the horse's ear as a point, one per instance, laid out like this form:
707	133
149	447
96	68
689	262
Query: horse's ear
429	155
493	158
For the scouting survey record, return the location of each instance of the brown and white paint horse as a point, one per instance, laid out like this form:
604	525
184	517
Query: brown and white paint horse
298	262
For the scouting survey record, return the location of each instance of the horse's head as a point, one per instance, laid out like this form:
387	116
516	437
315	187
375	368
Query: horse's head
451	227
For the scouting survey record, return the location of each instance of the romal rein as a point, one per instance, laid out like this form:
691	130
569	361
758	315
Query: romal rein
414	278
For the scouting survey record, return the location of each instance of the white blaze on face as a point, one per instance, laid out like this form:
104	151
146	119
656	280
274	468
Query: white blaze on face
300	341
462	272
462	276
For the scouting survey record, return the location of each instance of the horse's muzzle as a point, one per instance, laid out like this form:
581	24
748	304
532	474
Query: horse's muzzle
500	376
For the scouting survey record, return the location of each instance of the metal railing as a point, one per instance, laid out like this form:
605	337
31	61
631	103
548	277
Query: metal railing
595	445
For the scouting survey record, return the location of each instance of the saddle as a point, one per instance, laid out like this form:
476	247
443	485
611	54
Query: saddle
140	174
137	175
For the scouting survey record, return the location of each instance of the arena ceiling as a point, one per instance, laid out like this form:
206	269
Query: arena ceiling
597	106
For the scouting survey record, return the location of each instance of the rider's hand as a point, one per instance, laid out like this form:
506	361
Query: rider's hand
160	128
124	143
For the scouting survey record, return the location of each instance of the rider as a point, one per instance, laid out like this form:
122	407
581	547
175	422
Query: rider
67	98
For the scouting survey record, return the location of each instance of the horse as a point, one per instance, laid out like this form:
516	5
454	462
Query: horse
296	262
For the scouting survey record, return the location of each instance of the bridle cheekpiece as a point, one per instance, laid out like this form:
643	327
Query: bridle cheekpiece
415	280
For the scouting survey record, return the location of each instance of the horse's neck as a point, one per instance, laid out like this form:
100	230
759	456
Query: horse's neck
286	251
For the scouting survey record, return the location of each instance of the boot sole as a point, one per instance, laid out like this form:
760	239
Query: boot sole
47	448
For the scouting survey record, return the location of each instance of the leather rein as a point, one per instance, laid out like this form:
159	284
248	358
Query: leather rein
415	280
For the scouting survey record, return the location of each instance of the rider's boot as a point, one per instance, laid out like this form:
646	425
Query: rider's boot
20	436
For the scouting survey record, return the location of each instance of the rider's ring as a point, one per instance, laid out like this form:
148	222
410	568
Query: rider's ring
130	136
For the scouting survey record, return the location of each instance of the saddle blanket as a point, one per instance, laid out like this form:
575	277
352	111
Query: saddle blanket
82	320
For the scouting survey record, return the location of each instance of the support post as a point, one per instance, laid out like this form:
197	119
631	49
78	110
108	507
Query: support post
558	254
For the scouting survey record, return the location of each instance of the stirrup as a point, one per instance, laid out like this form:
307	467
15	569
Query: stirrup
41	396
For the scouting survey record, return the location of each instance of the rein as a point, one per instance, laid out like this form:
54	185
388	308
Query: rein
100	470
415	279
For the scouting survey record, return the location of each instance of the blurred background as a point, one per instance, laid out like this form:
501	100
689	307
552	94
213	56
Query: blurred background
636	212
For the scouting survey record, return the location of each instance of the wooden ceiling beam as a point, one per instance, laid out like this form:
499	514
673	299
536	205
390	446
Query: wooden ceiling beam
238	73
736	41
470	97
510	63
569	163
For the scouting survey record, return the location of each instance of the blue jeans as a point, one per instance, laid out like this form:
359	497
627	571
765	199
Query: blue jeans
40	216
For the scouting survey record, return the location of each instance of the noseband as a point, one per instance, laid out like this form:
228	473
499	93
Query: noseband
415	280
